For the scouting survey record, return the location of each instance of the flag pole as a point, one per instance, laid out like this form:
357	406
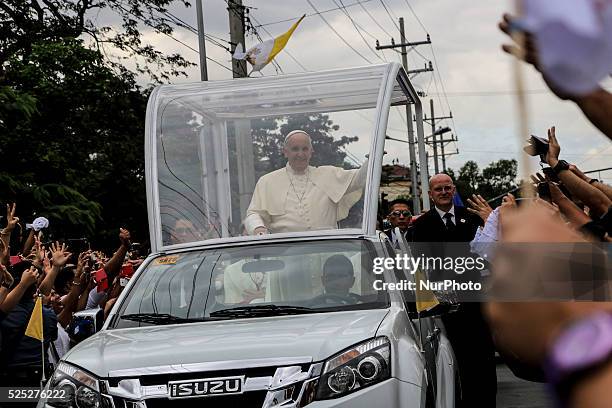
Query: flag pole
42	354
525	168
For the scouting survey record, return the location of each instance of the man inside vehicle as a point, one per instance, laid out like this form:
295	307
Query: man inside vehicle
338	278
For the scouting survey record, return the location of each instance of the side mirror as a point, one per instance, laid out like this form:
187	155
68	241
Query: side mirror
85	323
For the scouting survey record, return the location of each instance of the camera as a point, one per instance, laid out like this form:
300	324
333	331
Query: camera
537	146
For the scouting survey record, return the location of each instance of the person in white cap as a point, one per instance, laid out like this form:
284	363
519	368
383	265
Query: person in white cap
300	197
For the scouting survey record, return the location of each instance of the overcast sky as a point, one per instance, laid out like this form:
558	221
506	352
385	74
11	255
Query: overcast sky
470	66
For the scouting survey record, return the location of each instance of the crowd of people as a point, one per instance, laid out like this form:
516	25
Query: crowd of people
544	333
569	341
66	282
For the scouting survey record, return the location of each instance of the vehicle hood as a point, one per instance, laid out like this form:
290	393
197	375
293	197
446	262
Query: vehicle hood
316	336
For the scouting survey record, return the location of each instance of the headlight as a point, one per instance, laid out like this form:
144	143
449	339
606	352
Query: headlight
72	387
362	365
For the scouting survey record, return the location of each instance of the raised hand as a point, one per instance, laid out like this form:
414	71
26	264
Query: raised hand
59	254
10	217
124	237
552	156
479	206
81	262
526	51
29	277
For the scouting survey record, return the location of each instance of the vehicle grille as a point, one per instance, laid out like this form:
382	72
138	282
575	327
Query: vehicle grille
253	399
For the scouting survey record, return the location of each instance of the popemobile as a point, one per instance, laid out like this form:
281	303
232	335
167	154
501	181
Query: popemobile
260	290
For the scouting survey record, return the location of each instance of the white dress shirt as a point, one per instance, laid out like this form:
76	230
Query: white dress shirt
451	212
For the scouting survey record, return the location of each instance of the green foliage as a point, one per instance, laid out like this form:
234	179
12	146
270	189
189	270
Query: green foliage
79	158
24	24
497	178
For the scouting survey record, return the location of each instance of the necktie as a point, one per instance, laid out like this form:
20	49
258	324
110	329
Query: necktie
450	225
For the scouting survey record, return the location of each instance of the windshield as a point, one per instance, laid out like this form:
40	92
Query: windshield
262	280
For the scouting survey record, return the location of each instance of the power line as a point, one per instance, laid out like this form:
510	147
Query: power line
313	14
182	23
393	18
178	41
355	25
373	19
416	17
337	34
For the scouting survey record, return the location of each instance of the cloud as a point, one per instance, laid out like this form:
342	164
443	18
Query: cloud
477	76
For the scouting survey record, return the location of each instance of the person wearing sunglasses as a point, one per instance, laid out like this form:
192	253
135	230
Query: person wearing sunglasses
400	217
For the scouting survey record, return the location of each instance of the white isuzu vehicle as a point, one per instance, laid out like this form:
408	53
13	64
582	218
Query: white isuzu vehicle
217	317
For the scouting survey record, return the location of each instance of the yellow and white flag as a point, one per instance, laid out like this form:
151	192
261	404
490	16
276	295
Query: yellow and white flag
425	298
261	54
35	325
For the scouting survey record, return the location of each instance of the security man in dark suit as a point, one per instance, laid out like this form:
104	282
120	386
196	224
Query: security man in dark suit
466	328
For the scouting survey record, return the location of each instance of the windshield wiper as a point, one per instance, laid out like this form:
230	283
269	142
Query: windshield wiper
160	318
262	310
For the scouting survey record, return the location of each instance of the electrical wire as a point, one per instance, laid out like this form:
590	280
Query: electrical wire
181	42
391	17
336	32
373	19
310	15
182	23
355	25
416	16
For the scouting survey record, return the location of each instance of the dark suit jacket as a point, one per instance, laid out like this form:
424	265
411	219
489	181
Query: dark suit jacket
430	227
432	238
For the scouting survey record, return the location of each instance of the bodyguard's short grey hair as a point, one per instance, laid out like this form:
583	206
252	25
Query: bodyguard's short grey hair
438	175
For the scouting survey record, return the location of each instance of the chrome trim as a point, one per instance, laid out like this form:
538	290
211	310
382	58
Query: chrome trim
210	366
240	377
284	377
257	383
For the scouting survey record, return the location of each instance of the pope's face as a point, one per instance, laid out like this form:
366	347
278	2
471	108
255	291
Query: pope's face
298	152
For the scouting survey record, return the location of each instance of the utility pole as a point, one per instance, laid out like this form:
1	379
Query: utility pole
242	127
434	135
236	25
416	203
201	42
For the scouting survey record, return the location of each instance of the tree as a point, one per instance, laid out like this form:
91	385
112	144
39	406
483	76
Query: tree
79	157
72	116
497	178
26	24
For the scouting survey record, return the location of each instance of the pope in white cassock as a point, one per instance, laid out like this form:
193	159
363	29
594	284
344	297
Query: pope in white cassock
300	197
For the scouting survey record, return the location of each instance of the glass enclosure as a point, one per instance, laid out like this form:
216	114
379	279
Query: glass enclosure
198	285
263	156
